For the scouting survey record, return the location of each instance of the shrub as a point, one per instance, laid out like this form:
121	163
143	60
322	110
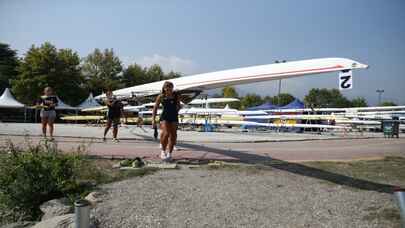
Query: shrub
33	175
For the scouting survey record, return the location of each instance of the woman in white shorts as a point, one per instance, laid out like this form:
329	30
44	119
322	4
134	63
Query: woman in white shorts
48	114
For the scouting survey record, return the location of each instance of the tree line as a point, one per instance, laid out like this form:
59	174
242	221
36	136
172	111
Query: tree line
316	98
73	78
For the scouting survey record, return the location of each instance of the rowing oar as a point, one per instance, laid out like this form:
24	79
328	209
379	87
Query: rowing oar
39	106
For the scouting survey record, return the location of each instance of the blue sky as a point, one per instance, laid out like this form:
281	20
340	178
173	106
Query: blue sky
202	36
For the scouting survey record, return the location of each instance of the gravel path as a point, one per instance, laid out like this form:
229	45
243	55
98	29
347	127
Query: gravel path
239	198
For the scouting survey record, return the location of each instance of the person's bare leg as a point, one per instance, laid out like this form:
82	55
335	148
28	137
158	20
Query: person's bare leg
44	122
115	132
164	135
50	124
172	136
175	136
107	127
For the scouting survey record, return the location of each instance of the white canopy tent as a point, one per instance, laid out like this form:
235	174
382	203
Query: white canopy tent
63	106
7	100
90	102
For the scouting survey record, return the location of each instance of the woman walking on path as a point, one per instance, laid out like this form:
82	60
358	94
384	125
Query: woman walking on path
170	101
48	102
114	113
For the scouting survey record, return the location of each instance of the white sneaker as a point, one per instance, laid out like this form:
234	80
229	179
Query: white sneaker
115	140
169	156
160	146
163	155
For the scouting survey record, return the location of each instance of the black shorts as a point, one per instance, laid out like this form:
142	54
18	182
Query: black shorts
170	120
114	120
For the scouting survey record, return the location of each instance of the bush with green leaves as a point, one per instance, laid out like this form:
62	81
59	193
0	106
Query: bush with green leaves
33	175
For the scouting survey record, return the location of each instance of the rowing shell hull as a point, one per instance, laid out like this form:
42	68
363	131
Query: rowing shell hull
246	75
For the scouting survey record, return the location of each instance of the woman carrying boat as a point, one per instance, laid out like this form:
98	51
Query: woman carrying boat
170	101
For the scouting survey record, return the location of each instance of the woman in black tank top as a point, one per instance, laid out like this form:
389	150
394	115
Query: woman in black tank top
170	109
168	119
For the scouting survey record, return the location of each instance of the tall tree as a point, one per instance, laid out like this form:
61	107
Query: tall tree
47	66
102	70
251	100
268	99
388	103
359	102
281	100
155	73
8	66
284	99
172	75
326	98
229	92
134	75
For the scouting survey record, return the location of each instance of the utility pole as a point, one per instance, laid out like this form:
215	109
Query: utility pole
279	83
279	91
379	91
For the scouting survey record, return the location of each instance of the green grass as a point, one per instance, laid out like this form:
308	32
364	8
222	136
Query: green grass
390	215
390	170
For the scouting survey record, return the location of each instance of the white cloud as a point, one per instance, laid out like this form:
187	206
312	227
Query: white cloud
169	63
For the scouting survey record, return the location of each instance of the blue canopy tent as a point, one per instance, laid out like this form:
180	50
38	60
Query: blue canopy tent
265	106
295	104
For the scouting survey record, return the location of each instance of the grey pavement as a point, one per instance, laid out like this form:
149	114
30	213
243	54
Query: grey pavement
221	146
146	133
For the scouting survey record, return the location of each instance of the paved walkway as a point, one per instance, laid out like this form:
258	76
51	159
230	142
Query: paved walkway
291	148
135	133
